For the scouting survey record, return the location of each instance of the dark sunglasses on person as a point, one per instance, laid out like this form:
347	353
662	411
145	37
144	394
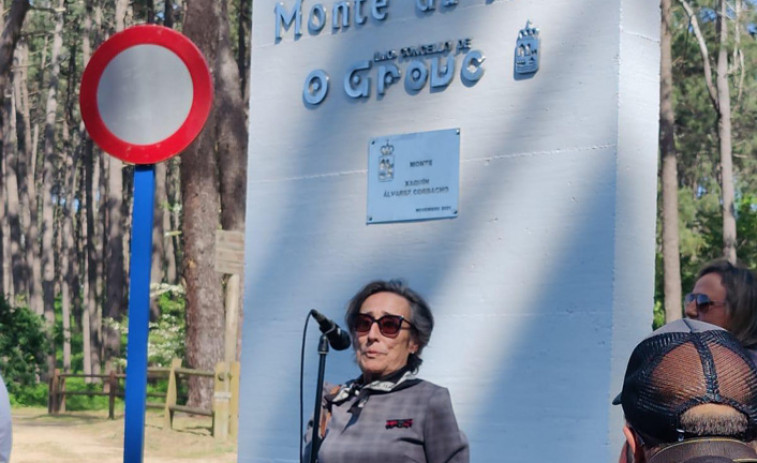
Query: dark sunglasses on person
702	301
389	325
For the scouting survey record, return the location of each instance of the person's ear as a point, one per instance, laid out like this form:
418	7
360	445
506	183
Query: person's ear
633	446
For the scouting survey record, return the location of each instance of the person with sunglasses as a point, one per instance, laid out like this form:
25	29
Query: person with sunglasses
387	414
726	295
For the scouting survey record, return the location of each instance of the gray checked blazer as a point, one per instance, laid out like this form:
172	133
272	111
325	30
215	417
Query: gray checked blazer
385	422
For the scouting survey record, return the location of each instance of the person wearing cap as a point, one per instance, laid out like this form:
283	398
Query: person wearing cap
690	396
726	295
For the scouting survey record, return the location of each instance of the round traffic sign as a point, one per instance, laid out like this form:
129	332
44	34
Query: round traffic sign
145	94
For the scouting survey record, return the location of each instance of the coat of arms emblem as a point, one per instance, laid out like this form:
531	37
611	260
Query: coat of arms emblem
386	163
527	50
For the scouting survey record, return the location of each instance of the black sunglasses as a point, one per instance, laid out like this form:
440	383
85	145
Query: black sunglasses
702	301
389	325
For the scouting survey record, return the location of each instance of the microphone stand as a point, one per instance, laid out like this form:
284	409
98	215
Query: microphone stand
315	441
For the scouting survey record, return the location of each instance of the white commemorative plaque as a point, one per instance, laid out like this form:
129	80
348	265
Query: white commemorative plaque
413	176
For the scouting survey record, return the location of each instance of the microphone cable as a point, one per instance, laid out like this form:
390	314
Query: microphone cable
302	374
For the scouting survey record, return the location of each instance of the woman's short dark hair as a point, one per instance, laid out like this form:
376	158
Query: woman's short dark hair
741	298
420	313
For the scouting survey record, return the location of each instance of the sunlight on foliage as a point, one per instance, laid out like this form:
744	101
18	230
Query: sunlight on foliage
22	347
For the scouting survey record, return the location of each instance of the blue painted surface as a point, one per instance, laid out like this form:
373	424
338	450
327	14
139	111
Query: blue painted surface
139	313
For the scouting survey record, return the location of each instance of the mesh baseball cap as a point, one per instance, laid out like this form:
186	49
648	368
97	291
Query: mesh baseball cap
682	325
673	371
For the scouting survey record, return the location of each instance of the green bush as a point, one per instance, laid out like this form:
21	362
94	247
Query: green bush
87	402
30	396
22	347
166	338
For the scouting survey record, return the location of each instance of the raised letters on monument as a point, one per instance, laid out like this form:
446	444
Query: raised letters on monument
343	14
432	64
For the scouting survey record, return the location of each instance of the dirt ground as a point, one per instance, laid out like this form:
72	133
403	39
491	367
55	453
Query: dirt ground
90	437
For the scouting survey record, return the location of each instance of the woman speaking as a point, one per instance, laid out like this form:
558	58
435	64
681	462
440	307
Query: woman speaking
388	415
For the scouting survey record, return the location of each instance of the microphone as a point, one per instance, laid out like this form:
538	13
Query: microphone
338	338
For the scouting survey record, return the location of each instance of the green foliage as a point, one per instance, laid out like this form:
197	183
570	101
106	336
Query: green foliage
697	145
700	229
746	229
87	402
30	396
658	318
166	338
166	341
22	346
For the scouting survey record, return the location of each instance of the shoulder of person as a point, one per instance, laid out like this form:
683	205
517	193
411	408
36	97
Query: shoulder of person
424	387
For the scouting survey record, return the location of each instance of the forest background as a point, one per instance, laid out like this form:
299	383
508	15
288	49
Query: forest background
66	206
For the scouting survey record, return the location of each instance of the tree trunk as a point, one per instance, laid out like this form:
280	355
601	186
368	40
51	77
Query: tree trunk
721	100
94	263
88	302
114	260
150	7
66	275
204	303
121	7
159	211
9	37
173	219
4	245
244	19
85	230
27	183
168	13
10	154
8	208
200	194
101	179
50	168
94	211
670	247
67	253
36	176
24	154
70	179
114	254
724	135
231	129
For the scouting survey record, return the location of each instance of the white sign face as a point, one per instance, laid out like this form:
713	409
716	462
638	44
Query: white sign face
130	86
413	176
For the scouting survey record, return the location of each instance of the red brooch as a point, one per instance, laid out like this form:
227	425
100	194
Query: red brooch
399	423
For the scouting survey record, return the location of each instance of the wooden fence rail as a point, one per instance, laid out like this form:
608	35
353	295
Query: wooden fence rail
57	392
224	410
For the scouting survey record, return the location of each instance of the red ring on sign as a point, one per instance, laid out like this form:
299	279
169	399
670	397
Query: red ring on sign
202	94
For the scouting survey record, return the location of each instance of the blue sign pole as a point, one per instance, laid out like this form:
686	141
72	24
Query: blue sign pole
139	312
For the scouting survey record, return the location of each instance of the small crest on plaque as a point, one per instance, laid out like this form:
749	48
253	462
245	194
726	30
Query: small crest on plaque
386	163
527	50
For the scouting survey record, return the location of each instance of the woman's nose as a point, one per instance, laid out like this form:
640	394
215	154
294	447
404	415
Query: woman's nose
374	332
